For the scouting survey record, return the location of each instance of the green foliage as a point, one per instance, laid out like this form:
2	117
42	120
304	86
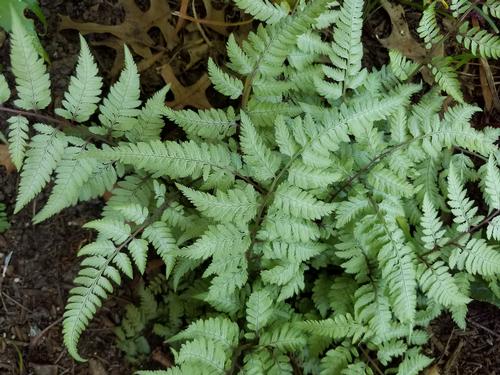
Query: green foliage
4	221
11	9
330	211
477	40
32	79
80	101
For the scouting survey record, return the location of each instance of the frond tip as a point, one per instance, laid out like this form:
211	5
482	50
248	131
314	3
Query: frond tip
32	79
81	98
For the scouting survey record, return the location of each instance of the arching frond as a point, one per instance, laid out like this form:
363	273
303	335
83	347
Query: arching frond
84	91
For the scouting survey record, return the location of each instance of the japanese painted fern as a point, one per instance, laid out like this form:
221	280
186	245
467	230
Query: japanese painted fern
324	221
476	40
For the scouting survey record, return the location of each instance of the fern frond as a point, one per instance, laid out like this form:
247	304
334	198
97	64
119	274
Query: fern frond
347	210
223	82
264	10
218	329
102	179
372	306
221	238
388	182
237	205
336	360
204	352
211	124
262	162
30	73
462	207
308	177
428	28
282	227
298	203
492	184
347	48
259	310
239	61
459	7
44	153
71	174
295	252
270	51
132	212
431	224
160	236
150	119
396	262
139	251
93	285
32	79
4	89
479	41
171	158
446	77
18	137
84	91
492	7
477	257
493	229
402	67
436	281
338	327
391	349
285	337
115	230
413	363
119	109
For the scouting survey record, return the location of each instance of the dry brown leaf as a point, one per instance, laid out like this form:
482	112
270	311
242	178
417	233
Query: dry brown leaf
400	37
96	367
5	159
216	17
434	370
192	96
402	40
162	358
183	7
488	89
133	31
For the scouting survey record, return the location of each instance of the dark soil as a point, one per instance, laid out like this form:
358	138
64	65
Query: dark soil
473	351
43	260
34	290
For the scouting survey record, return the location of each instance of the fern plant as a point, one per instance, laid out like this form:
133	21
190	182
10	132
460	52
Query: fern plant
321	224
475	39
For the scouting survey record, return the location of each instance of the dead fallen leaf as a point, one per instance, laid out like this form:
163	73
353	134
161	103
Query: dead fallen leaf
44	369
400	37
217	18
5	159
183	7
192	96
402	40
96	367
162	358
133	31
434	370
488	89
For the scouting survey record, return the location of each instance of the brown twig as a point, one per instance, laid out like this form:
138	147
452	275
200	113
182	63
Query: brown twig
211	22
491	332
45	330
372	362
